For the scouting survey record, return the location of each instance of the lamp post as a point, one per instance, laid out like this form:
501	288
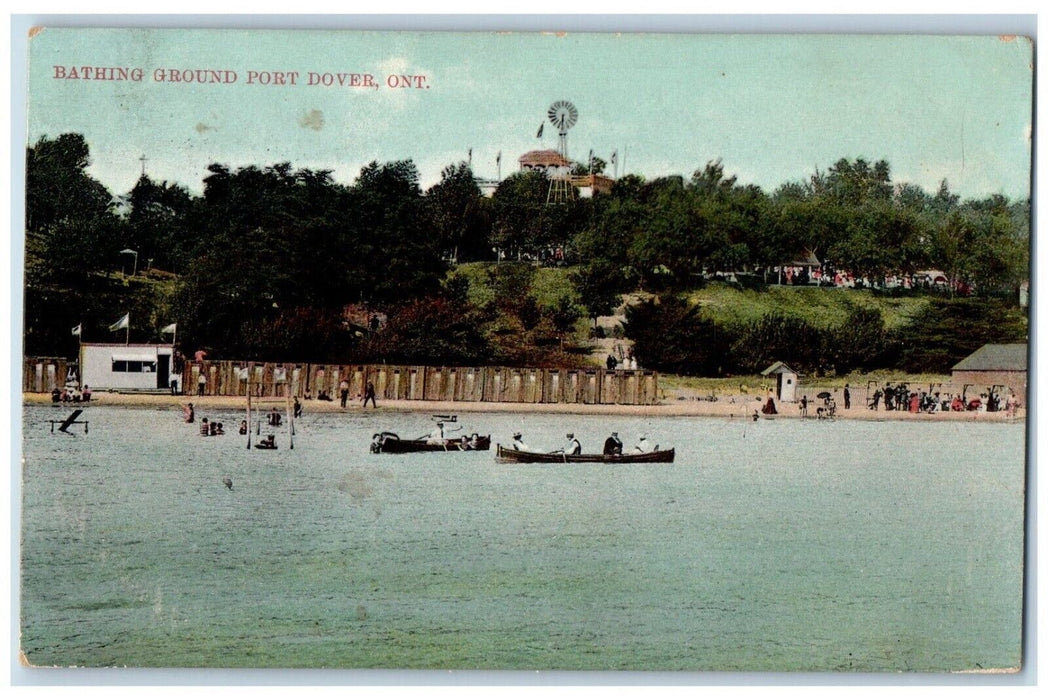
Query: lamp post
128	251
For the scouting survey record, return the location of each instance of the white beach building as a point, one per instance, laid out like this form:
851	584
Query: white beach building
144	366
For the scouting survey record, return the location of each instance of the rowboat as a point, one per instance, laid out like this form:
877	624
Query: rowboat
509	455
392	443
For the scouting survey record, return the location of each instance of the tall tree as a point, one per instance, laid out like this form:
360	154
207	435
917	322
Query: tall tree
71	224
460	219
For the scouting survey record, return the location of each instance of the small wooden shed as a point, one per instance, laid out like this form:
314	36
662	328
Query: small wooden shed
785	381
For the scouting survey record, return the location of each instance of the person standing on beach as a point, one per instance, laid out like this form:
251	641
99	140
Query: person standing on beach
369	393
201	382
847	397
343	390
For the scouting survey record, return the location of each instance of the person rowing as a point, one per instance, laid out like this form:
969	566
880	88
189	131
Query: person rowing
436	436
574	447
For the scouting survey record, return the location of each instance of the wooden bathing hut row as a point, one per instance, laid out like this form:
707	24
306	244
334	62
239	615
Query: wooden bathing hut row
42	374
422	383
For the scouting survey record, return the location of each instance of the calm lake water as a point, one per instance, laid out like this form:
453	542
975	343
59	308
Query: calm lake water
770	546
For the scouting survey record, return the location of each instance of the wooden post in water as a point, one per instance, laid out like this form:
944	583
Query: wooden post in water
248	407
290	416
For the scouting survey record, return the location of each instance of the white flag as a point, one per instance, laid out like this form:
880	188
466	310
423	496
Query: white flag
122	323
169	329
76	329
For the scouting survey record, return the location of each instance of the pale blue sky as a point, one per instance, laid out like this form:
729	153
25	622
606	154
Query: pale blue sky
773	108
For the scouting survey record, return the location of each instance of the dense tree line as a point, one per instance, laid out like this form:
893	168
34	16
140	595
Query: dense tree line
672	335
265	261
670	232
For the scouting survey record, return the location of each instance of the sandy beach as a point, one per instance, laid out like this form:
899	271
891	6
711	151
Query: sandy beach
728	406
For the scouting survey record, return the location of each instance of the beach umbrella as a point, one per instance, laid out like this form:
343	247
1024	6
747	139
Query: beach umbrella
823	395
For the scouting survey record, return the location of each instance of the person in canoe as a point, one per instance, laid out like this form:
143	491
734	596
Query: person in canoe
644	445
613	445
519	444
574	447
436	436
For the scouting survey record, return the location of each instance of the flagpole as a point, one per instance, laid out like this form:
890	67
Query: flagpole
127	338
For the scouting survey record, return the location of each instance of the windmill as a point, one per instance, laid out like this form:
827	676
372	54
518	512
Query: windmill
563	115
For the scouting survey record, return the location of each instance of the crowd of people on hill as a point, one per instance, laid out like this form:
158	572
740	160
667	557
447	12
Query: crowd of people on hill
826	276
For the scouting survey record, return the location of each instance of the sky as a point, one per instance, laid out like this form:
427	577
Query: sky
772	108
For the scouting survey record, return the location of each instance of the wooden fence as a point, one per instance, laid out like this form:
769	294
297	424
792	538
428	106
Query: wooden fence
395	382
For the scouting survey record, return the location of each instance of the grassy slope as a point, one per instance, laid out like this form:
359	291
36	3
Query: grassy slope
549	284
819	306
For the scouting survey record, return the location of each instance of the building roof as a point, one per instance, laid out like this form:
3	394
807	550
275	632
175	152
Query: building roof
545	158
806	259
990	357
778	368
596	181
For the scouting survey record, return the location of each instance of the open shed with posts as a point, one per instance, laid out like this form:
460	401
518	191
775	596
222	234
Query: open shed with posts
785	381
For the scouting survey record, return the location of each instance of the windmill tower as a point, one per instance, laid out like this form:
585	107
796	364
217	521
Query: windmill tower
563	115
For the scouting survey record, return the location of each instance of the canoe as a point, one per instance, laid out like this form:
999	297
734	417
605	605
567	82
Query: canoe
390	442
509	455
